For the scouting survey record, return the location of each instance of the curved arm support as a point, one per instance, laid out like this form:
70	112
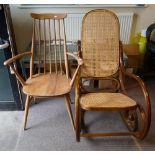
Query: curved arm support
80	62
147	103
10	63
19	56
146	115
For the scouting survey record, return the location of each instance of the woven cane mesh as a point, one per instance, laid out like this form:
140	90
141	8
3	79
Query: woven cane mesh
106	100
100	43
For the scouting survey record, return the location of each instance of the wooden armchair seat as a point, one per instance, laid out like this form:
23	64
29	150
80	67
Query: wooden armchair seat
106	101
47	85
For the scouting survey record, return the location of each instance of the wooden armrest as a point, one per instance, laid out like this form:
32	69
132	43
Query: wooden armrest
141	84
19	56
10	63
79	60
147	112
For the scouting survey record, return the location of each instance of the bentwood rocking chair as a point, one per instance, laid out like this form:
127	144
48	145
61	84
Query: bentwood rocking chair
49	71
101	52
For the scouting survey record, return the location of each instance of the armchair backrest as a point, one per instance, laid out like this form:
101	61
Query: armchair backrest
100	44
49	50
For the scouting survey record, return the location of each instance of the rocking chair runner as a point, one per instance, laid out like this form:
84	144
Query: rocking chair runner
101	52
51	78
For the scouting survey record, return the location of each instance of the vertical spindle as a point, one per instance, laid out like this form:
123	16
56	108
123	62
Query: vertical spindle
44	47
32	50
39	46
65	51
50	51
60	56
55	48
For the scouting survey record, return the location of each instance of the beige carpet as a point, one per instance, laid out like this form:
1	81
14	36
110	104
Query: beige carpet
49	128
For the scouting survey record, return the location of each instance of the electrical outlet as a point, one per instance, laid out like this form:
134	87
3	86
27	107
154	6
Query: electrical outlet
86	82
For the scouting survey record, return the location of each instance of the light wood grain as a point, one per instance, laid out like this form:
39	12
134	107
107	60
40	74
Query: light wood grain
15	58
55	50
27	105
47	85
32	49
44	46
60	55
48	16
45	80
39	49
65	50
68	105
49	42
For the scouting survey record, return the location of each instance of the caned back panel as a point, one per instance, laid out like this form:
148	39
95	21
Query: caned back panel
100	43
49	44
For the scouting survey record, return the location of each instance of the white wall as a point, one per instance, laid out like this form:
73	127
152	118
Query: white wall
22	21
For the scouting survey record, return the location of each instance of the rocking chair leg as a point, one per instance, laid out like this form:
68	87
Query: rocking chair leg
27	104
82	118
68	102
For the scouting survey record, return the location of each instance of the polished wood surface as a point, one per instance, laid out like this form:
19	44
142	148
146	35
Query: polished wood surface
68	101
47	85
12	60
48	16
132	112
15	58
46	80
27	105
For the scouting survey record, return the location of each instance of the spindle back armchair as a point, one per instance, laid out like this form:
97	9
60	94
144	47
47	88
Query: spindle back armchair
49	72
49	31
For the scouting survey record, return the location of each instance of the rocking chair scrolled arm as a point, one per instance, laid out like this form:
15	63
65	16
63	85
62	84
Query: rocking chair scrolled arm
147	113
80	62
10	63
